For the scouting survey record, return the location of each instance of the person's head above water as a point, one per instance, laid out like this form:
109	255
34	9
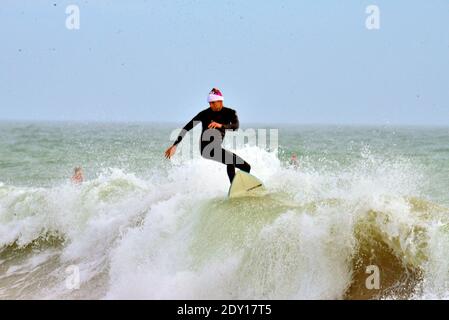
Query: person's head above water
77	175
215	99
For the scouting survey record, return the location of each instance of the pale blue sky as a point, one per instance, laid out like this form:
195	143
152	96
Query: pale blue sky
275	61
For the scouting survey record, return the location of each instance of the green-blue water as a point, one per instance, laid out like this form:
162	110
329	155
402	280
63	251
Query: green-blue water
146	227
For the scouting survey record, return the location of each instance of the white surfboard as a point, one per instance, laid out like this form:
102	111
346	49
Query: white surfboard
244	184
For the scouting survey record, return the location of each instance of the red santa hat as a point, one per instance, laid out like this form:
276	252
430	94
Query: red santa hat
215	95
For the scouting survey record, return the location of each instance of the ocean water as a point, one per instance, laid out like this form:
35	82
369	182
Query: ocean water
143	227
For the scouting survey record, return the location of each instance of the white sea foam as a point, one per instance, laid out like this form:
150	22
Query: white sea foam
174	235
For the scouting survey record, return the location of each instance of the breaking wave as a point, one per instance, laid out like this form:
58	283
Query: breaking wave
176	235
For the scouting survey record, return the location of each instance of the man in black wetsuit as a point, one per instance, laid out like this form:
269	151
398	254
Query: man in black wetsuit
215	121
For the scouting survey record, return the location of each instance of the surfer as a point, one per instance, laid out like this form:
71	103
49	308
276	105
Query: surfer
215	121
78	177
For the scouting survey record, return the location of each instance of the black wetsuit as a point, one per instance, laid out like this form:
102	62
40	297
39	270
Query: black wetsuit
211	139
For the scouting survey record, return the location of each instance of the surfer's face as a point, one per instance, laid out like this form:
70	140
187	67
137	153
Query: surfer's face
216	105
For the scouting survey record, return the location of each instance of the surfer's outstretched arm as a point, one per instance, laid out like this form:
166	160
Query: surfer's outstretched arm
189	126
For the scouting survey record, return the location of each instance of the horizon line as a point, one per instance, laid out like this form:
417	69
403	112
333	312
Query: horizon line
96	121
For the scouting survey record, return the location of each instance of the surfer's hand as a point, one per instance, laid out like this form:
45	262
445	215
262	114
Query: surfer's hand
170	152
214	125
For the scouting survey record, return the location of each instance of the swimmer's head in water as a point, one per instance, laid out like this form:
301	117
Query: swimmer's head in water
78	175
